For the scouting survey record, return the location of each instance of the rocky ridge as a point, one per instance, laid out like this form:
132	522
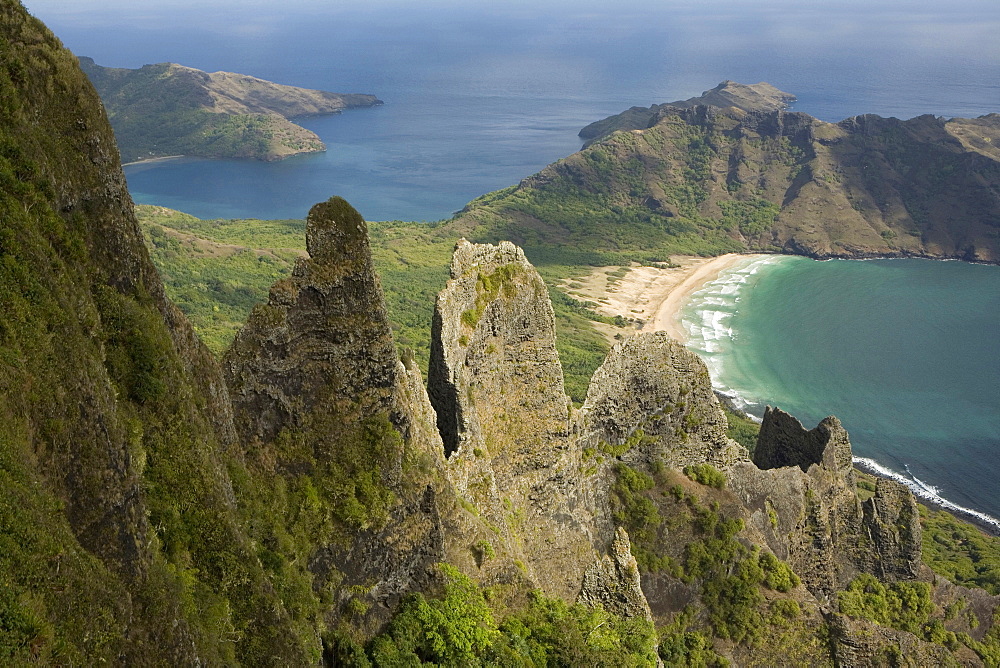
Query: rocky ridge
158	507
710	180
753	97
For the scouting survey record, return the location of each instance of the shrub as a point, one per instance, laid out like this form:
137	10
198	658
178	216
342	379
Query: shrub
706	474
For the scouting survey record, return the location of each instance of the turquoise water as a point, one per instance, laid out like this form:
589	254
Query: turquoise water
904	352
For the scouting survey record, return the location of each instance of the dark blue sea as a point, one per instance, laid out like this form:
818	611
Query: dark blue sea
478	98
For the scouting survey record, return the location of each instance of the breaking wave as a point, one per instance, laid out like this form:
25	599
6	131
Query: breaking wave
924	490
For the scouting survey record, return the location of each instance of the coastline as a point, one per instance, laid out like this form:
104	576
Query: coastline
652	297
156	159
667	311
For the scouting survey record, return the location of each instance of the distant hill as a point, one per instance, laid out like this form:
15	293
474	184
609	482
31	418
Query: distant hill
748	97
168	109
708	180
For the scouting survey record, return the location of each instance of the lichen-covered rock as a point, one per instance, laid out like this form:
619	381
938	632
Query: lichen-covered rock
612	582
807	507
652	400
892	522
317	366
322	338
860	643
497	386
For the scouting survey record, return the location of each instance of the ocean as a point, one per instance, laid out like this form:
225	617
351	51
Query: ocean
904	352
477	98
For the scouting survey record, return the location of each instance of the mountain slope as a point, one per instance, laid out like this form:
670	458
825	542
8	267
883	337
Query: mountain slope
169	109
753	97
706	180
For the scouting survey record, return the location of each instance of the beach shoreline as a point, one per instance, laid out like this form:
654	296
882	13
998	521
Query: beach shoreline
651	297
670	304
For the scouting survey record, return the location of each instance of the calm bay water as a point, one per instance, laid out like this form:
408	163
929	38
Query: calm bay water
477	99
904	352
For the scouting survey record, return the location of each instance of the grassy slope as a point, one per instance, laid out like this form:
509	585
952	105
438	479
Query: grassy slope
216	270
707	184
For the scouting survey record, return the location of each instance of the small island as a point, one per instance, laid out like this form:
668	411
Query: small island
167	109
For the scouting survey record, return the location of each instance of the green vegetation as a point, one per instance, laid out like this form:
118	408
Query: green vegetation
217	270
706	474
741	429
902	605
166	109
960	551
458	627
624	199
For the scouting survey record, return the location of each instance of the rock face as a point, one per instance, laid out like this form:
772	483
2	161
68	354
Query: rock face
784	442
497	386
892	523
323	337
652	398
318	363
831	536
613	582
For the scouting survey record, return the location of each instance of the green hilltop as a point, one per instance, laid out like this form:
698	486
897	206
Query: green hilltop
167	109
706	180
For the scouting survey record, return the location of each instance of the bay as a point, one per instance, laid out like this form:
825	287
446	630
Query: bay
478	97
904	352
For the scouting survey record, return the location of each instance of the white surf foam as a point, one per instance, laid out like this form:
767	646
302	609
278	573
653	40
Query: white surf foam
924	490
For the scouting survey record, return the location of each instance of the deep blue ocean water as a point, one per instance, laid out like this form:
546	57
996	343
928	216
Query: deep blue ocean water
478	98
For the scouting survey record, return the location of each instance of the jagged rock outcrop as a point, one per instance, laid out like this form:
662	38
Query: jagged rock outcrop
613	583
892	522
317	365
806	486
784	442
858	642
322	338
497	386
653	399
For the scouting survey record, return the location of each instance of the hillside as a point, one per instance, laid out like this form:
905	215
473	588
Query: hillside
309	500
706	180
168	109
753	97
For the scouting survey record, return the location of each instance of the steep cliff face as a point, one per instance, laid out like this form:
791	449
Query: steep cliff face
151	510
116	419
497	386
805	487
652	400
316	367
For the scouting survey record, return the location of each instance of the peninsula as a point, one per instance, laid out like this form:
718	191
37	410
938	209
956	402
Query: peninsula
167	110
